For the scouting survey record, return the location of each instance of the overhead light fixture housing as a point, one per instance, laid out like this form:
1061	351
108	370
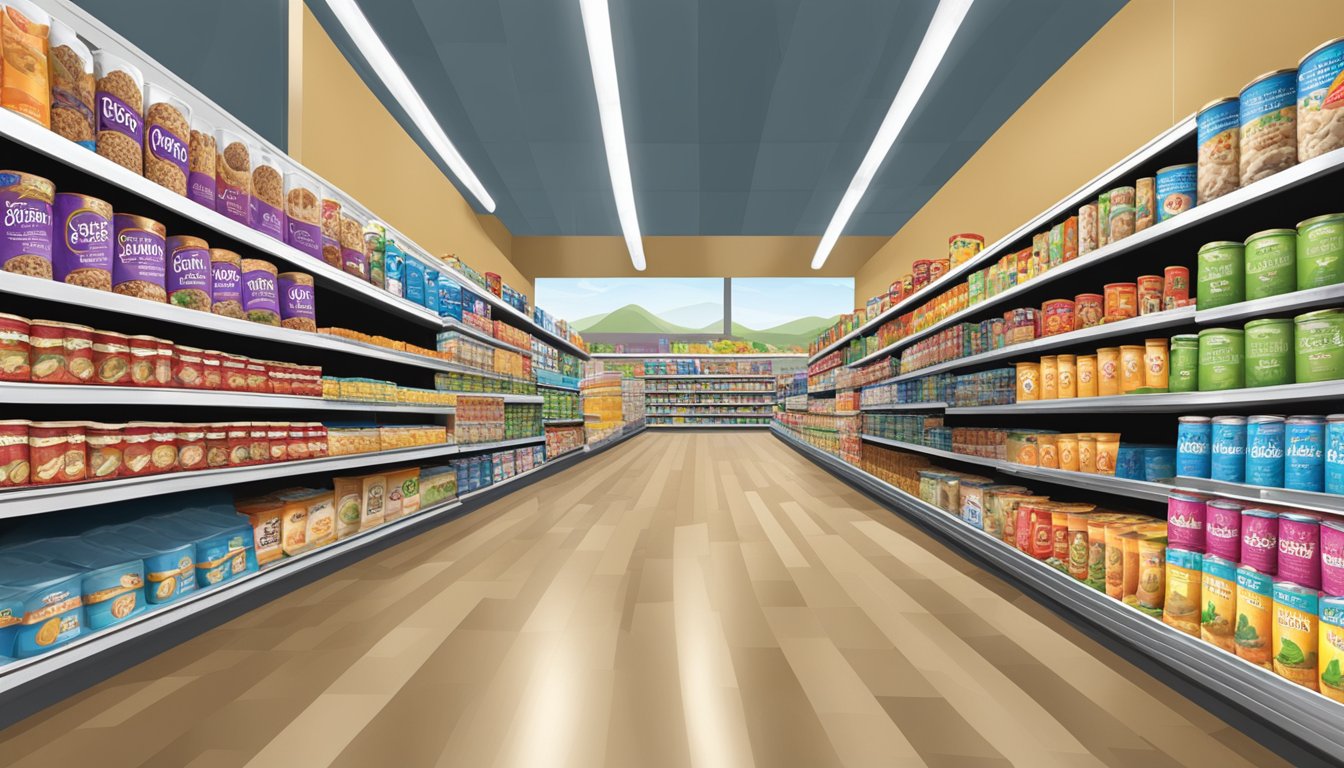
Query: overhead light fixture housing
361	33
943	27
602	57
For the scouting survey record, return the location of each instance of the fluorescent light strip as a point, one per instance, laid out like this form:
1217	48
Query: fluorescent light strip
357	26
602	57
937	38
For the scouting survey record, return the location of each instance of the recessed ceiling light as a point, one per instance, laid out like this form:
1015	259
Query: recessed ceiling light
356	25
937	38
602	57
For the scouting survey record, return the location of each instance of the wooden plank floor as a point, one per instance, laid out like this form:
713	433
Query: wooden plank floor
703	599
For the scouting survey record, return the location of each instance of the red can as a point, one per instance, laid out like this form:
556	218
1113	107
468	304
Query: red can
1057	317
896	291
921	270
1150	294
189	368
78	344
277	436
259	443
1089	309
212	374
191	447
47	352
111	359
296	443
106	448
216	445
14	452
75	462
257	380
1122	301
495	283
938	268
15	349
163	363
235	372
136	450
1175	287
144	356
162	446
47	441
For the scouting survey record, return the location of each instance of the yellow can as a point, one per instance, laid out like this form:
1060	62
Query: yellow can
1131	368
1028	382
1115	558
1087	453
1331	652
1181	606
1067	447
1108	371
1151	587
1218	591
1049	378
1107	449
1066	376
1047	450
1087	375
1255	616
1155	363
1296	633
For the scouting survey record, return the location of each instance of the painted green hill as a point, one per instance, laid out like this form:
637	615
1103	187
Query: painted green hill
795	333
631	318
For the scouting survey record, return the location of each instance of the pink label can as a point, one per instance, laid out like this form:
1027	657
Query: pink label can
1222	529
1299	549
1185	521
1332	557
1260	540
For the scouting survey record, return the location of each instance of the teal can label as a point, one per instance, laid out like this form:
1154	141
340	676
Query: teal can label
1220	279
1221	364
1271	264
1264	451
1320	252
1319	341
1184	368
1175	189
1269	353
1304	454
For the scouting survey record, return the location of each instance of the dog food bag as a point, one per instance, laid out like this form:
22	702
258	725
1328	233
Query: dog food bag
233	176
303	213
167	139
24	87
71	87
119	104
25	238
201	163
267	207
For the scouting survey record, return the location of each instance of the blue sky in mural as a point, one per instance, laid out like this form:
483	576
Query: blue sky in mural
692	302
768	302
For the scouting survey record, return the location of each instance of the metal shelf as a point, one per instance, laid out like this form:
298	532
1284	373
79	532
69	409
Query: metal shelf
1119	486
33	500
1311	717
930	406
449	324
557	386
706	426
1287	394
712	415
500	444
769	376
708	392
1298	301
507	398
711	405
510	311
693	356
86	394
562	422
1228	204
1124	169
1320	502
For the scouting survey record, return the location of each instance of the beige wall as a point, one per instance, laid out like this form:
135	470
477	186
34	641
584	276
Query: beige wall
1118	91
373	159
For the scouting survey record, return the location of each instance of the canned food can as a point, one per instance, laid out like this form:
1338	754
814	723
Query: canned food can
1218	134
1049	378
1131	368
1156	365
1221	274
921	269
1334	453
1221	353
1087	229
1186	515
1222	528
1304	453
1175	287
1028	382
1145	203
1264	451
1176	190
1269	352
1122	301
1057	316
1087	375
1271	263
1184	363
1040	253
1066	376
1320	251
1150	294
1320	122
1089	309
1318	338
1159	463
1260	540
1332	565
1103	219
1121	214
1299	549
1228	449
962	248
1268	125
1055	245
1071	238
1108	371
1193	454
938	268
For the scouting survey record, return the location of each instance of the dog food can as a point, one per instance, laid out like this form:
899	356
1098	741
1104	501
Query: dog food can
1222	528
1271	263
1087	375
1299	549
1122	301
1304	453
1319	341
1176	190
1220	274
26	237
1089	309
1194	436
1221	353
1255	615
1269	352
1268	125
1175	287
1184	363
1320	251
1150	294
81	248
1264	450
1334	454
1228	449
1218	133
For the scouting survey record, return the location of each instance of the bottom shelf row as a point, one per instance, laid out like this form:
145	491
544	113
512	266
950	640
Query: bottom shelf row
1257	622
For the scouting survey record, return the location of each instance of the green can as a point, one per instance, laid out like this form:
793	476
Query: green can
1320	251
1269	352
1184	363
1221	276
1103	219
1271	263
1221	359
1319	340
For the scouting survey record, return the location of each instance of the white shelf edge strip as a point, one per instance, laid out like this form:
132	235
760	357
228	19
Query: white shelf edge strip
92	394
1171	401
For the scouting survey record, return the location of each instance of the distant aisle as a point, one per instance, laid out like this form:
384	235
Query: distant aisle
687	598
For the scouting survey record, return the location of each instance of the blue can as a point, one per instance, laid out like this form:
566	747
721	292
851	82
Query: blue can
1264	451
1159	463
1175	189
1228	449
1192	446
1304	453
1334	453
1129	462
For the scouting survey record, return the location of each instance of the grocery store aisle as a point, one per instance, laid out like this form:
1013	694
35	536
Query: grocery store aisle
683	599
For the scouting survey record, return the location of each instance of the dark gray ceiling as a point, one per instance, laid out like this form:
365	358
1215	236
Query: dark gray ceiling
743	117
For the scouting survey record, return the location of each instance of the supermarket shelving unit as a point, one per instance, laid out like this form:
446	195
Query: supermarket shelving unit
715	396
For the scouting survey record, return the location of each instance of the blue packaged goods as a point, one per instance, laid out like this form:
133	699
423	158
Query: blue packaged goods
432	291
50	594
450	298
170	560
1228	449
11	617
1159	463
394	264
1192	446
224	547
1264	451
1334	453
1175	190
1129	462
113	583
415	281
1304	453
1217	133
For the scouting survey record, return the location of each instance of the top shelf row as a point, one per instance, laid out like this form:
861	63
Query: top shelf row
164	193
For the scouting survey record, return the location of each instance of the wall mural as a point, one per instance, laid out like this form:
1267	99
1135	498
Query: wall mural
676	314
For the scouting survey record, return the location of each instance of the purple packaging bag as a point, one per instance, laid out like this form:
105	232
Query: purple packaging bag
226	282
1332	557
201	188
1299	549
267	219
82	239
1186	514
1260	540
1222	529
